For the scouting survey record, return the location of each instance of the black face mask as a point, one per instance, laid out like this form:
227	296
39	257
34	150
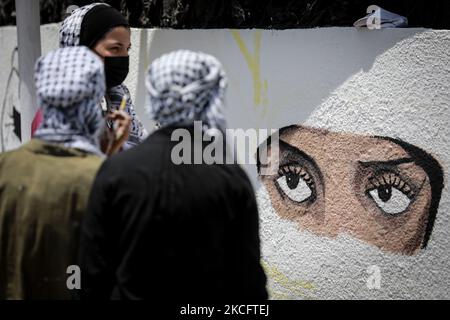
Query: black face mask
116	70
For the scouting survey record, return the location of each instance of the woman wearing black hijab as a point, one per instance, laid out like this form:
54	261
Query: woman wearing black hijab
105	31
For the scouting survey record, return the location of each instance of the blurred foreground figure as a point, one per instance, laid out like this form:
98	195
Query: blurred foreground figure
162	230
44	185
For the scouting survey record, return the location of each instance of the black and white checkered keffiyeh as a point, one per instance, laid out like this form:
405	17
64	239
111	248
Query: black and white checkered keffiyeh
70	83
186	86
69	36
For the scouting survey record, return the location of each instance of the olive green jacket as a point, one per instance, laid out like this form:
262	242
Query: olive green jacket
44	190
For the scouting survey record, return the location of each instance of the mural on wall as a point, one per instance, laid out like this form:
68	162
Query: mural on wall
10	126
359	206
380	190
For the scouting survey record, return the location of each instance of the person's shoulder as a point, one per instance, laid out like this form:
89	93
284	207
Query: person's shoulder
7	154
233	168
11	155
92	162
235	175
127	159
5	159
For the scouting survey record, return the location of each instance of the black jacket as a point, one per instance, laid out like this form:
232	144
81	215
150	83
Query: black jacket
163	231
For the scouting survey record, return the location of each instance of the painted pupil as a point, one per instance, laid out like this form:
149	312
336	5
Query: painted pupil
384	193
292	180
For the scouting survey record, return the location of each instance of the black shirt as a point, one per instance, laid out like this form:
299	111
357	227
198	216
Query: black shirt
159	230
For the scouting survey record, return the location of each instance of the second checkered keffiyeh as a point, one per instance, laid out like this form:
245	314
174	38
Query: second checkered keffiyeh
186	86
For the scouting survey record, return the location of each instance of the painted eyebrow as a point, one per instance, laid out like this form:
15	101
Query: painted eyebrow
285	147
389	163
435	173
287	129
294	152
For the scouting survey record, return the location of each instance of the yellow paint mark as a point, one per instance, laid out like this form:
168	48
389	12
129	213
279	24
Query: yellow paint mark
276	295
292	286
254	64
265	100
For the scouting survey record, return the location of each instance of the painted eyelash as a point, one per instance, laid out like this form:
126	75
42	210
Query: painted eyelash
299	171
391	180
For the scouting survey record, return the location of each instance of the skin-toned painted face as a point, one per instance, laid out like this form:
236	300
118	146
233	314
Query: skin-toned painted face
368	187
116	43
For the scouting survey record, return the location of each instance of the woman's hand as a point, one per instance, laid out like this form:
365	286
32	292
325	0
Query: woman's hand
121	131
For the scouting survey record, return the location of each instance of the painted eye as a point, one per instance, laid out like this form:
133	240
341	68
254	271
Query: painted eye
390	199
295	186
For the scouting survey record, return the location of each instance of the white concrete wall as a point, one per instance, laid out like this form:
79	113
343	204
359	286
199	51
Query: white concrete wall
388	82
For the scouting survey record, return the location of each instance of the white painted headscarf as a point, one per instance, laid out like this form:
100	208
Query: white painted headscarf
404	94
186	86
70	83
69	36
